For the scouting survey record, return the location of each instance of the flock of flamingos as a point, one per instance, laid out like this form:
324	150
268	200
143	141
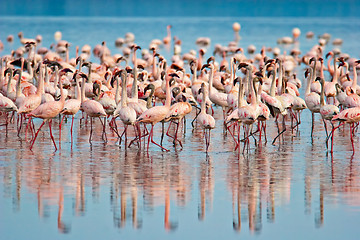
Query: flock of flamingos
251	88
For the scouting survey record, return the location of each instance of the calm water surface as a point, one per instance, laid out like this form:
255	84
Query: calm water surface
293	190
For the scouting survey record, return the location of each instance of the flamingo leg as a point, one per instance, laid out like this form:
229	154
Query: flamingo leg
19	125
232	133
176	133
273	142
71	129
62	119
351	136
149	138
206	140
91	120
136	135
184	125
152	140
37	132
332	135
52	137
113	127
162	131
27	125
104	126
122	134
325	131
197	114
312	123
264	128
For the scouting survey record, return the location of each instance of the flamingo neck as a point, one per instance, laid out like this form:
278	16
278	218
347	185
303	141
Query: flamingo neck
123	91
273	83
149	100
8	89
322	94
328	63
117	92
335	73
62	98
241	96
18	85
203	102
232	72
83	90
280	78
168	94
211	77
89	75
322	70
134	88
40	88
354	83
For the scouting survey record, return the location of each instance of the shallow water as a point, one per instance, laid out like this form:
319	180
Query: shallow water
293	190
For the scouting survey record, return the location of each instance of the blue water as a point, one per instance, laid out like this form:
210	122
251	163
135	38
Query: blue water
293	190
163	8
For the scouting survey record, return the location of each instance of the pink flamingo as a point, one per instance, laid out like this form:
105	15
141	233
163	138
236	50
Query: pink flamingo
330	87
7	106
352	99
216	97
312	99
248	114
72	106
93	109
127	114
327	111
177	112
156	114
351	116
47	111
207	122
29	103
167	39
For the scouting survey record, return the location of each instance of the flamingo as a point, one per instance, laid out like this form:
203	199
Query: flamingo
7	106
93	109
126	113
216	97
248	114
167	39
327	111
156	114
72	106
312	99
351	116
234	116
206	121
352	99
177	112
47	111
134	102
29	103
330	88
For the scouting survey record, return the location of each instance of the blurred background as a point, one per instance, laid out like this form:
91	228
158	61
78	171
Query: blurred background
158	8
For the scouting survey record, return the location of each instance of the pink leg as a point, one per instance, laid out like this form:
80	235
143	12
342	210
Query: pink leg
90	129
176	133
351	137
52	137
62	119
71	129
149	138
37	134
27	125
152	140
